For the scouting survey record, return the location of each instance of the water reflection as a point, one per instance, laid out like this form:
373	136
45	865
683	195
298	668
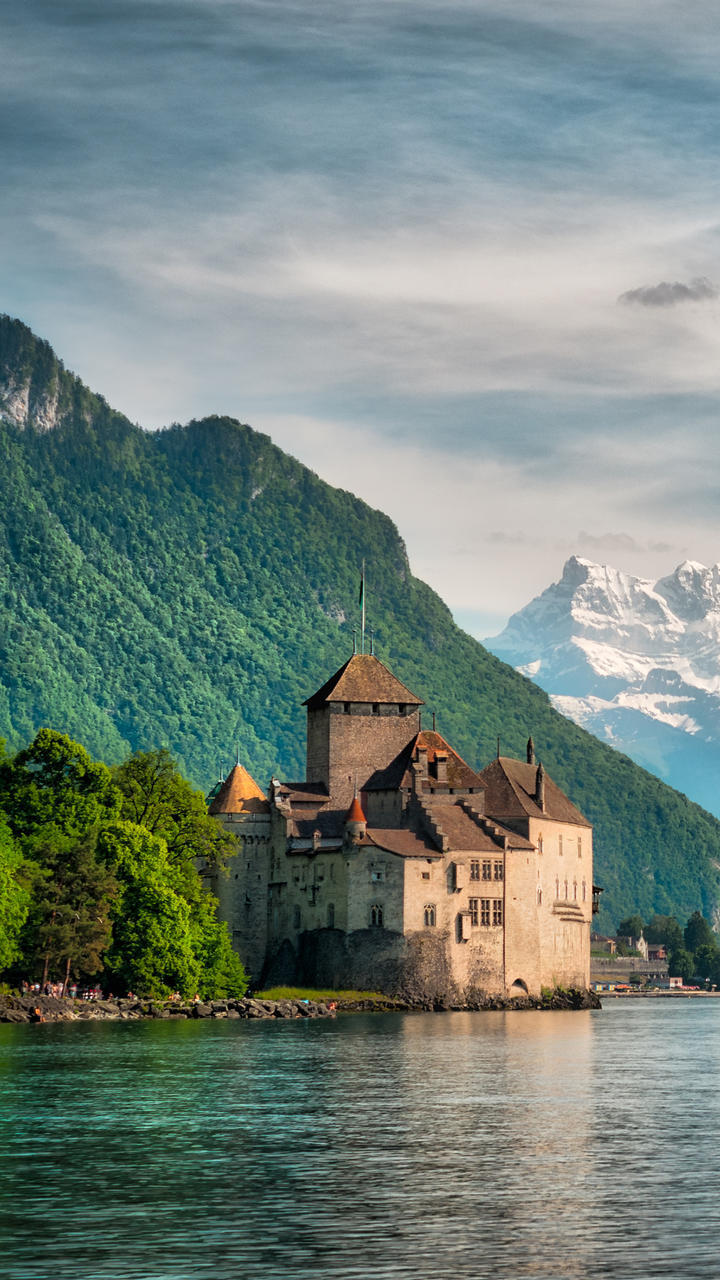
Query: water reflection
463	1145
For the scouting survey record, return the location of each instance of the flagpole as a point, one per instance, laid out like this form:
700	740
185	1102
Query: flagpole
363	606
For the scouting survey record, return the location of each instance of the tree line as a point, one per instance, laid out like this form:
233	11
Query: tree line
102	874
693	952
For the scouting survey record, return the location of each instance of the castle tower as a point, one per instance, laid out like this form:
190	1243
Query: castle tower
244	810
357	723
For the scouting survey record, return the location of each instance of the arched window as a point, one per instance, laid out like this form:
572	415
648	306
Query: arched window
575	890
557	886
566	890
540	844
376	916
539	896
584	889
430	915
297	918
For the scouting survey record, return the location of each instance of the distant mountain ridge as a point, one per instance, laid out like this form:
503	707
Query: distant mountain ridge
191	587
635	661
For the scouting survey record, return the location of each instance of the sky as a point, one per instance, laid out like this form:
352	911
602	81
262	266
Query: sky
459	257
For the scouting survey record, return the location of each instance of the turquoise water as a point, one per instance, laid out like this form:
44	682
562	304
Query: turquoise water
430	1145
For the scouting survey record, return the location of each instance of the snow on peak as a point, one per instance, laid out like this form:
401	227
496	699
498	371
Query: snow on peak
634	657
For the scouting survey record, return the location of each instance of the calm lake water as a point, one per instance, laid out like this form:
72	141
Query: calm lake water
428	1145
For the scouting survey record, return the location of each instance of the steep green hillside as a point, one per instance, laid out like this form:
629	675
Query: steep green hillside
190	588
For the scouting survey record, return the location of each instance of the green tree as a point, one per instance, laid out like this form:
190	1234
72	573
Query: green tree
681	963
152	950
69	924
157	797
707	958
630	927
665	931
14	897
54	783
698	933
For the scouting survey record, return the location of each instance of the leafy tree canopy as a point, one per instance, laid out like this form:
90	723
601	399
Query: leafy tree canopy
630	927
698	933
14	897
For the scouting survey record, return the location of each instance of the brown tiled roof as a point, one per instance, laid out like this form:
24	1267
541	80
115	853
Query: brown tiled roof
407	844
510	794
468	836
303	792
303	823
397	774
363	678
239	793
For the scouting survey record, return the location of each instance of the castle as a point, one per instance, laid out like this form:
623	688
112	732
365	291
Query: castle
396	867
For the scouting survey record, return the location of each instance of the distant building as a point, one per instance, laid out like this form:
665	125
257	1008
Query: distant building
396	866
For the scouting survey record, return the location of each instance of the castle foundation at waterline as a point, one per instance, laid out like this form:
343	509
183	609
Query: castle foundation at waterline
396	867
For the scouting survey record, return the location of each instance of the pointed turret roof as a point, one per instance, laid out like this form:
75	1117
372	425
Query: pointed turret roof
239	793
363	678
355	812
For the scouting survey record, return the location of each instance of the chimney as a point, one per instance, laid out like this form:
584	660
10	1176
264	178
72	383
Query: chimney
530	751
540	788
421	758
441	764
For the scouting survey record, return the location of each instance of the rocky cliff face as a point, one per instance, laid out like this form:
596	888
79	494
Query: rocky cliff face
36	390
634	661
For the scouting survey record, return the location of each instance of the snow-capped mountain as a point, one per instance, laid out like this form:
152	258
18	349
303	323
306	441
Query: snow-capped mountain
634	661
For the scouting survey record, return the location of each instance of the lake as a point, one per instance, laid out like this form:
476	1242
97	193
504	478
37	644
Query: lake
531	1144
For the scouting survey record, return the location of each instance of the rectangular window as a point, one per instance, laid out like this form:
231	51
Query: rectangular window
475	870
473	906
497	911
579	846
484	910
377	876
497	871
426	875
560	844
487	869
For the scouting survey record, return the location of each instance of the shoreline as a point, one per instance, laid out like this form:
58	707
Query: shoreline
52	1009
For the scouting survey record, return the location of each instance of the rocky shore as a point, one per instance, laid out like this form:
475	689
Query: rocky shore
52	1009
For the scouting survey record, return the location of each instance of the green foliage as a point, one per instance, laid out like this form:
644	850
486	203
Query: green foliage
68	926
106	890
698	933
707	961
665	931
189	588
158	798
14	897
682	963
630	927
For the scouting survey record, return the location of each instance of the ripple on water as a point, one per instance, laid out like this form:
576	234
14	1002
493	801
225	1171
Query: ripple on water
432	1145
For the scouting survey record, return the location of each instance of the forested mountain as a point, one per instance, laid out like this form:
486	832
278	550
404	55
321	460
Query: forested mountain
190	587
